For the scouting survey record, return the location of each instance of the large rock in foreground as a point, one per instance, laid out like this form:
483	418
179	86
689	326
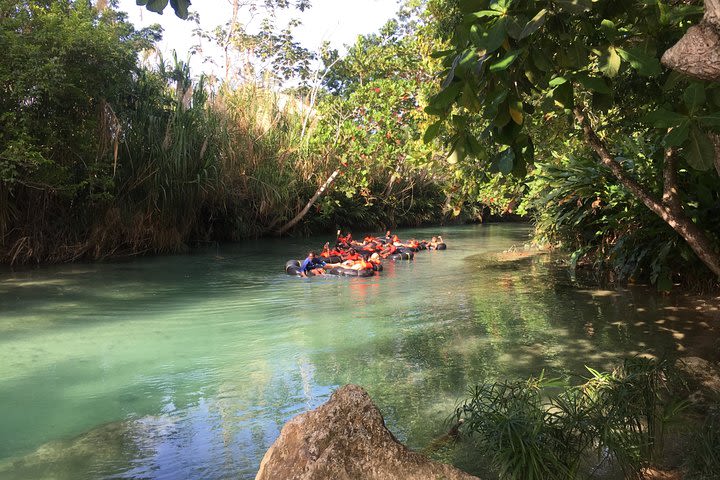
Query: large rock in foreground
346	439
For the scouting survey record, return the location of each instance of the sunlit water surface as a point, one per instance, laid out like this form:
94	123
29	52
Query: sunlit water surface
188	366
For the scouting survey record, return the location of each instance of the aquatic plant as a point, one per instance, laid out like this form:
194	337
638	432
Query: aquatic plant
539	428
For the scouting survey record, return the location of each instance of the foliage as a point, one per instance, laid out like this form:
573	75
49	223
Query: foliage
508	83
258	54
579	206
529	429
64	66
704	459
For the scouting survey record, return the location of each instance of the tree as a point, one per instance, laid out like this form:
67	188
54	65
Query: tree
65	71
515	62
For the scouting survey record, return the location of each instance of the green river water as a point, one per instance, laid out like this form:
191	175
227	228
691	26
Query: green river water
188	366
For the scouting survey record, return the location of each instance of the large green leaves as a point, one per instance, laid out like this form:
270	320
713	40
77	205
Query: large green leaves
179	6
700	153
609	63
646	65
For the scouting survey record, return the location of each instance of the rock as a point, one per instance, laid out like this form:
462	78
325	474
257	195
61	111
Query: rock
346	439
703	377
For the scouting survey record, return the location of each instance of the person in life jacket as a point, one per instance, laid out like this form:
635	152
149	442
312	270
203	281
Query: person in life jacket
352	255
361	263
434	242
343	242
388	250
328	252
312	264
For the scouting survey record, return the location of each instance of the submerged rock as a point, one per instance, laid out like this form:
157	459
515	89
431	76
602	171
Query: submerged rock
346	439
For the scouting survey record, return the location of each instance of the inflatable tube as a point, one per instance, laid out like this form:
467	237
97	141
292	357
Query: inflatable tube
441	246
292	267
378	267
367	272
331	259
338	271
402	256
349	272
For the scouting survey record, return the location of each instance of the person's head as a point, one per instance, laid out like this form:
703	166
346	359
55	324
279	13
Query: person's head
352	251
396	238
434	239
375	258
311	254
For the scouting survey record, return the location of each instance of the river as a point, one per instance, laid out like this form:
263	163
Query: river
188	366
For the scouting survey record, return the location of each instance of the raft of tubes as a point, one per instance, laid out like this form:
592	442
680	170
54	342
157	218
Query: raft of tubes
351	258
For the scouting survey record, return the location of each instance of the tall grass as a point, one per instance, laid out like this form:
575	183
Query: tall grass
530	430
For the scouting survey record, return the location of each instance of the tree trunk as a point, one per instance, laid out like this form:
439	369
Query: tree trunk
669	209
697	53
310	203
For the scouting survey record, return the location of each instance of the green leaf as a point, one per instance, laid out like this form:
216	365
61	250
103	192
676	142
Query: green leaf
694	96
180	7
700	152
156	6
506	61
469	6
474	147
609	63
492	38
446	97
712	120
609	30
594	84
515	109
505	161
541	60
662	118
677	135
534	25
645	64
500	5
458	153
481	14
441	53
574	6
557	81
432	131
563	96
503	115
673	80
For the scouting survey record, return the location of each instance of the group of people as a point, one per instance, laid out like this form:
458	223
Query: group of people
366	255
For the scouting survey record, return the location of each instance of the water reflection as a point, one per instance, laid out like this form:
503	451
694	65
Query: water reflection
185	367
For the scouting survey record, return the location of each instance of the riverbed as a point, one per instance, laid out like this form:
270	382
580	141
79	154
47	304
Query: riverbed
188	366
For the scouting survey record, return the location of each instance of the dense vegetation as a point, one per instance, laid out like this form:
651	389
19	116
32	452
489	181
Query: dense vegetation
610	152
624	421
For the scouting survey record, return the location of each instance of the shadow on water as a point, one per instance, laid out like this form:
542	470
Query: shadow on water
187	367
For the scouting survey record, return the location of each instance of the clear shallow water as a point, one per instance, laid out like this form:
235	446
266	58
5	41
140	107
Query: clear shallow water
188	366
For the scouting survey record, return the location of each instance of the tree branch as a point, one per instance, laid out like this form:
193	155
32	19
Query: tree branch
310	203
618	171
